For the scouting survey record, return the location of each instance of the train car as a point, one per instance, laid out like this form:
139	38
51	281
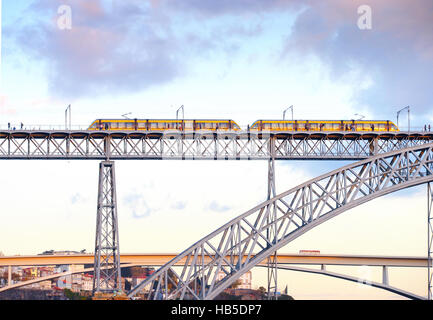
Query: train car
163	125
323	125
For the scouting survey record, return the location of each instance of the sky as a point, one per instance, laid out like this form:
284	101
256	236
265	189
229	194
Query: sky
242	60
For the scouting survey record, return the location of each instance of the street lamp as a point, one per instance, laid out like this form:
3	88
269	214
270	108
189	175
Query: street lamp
284	112
183	114
125	115
408	116
66	118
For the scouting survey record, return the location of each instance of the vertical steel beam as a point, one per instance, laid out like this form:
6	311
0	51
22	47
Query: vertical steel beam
385	276
9	275
271	233
107	276
429	238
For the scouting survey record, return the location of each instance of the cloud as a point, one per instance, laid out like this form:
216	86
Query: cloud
215	206
106	50
179	205
76	198
124	47
137	205
130	46
224	7
397	52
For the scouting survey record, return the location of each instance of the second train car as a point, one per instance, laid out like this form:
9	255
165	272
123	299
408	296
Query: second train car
323	125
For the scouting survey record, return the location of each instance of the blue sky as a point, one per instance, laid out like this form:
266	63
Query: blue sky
243	60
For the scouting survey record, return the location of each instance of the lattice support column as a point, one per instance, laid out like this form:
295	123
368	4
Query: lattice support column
430	238
272	262
107	277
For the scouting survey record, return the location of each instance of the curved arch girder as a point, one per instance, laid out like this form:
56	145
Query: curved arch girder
243	242
374	284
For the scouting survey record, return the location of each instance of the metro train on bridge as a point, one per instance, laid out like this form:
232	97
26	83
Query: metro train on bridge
230	125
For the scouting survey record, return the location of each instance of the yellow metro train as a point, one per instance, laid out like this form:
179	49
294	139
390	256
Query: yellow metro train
230	125
323	125
164	124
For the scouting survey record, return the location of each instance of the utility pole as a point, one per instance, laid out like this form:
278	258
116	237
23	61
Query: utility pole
408	116
284	112
183	114
66	118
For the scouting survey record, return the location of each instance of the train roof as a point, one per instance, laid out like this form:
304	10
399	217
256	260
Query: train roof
280	120
112	119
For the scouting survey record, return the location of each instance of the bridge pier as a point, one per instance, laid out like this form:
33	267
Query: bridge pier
272	261
107	277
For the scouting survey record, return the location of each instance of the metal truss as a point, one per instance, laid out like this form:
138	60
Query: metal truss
272	231
107	261
430	238
202	145
245	239
384	285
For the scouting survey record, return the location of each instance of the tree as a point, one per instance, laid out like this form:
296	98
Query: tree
236	284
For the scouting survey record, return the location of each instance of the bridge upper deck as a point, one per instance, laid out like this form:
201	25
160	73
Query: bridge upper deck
203	145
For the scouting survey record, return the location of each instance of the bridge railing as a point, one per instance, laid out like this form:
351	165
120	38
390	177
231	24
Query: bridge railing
46	127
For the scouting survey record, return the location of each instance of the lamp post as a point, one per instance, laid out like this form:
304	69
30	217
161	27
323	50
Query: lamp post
408	116
284	112
125	115
66	117
177	112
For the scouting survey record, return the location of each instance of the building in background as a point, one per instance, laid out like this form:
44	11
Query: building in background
244	282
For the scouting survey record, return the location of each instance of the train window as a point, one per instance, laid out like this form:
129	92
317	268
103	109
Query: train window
332	126
223	125
142	124
255	126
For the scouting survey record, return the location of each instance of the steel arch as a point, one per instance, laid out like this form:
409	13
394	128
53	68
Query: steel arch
297	211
